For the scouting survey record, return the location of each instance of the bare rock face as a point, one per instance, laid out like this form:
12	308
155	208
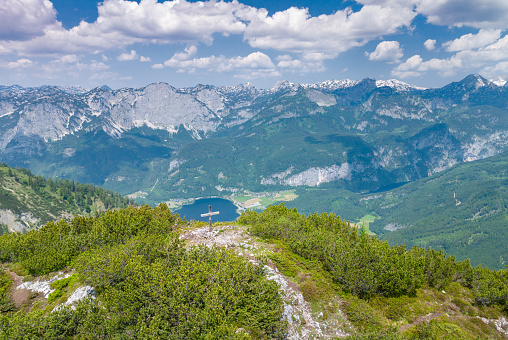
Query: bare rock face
17	223
160	106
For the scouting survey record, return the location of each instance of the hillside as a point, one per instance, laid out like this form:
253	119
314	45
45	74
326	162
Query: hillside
462	210
145	273
28	201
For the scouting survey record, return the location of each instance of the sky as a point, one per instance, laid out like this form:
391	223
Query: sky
127	43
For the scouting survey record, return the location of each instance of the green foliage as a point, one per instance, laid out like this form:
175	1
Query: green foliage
59	287
148	285
365	266
21	192
315	283
361	264
5	285
151	286
361	314
491	287
55	245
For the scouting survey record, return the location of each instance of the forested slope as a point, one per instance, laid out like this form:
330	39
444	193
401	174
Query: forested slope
27	200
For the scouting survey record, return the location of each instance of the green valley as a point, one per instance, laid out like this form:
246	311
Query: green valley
462	210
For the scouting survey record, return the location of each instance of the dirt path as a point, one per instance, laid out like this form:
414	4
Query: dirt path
302	323
19	297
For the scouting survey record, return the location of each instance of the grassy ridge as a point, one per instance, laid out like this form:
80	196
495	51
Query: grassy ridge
148	285
386	291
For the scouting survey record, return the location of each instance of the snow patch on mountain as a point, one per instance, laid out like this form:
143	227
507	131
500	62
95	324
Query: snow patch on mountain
332	85
398	85
498	81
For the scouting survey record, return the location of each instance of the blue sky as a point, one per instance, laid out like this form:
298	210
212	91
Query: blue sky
124	43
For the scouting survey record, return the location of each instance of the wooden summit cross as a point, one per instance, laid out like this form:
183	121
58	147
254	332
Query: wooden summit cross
210	214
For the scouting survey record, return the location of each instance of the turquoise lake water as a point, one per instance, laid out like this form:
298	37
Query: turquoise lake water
226	209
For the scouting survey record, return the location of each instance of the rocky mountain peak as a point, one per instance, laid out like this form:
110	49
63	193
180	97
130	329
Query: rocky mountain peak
397	85
285	85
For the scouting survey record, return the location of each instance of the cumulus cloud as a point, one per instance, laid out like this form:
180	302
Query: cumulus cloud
122	23
472	41
253	65
68	59
415	66
386	51
187	53
128	56
132	55
25	19
287	63
430	44
20	63
500	68
30	28
324	36
483	57
473	13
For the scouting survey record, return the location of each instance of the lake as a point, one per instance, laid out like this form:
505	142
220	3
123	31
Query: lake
226	209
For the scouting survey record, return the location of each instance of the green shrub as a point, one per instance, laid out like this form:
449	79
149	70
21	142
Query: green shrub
54	246
59	287
5	285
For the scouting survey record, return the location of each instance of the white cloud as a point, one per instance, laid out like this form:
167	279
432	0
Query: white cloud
472	41
20	63
473	13
30	28
122	23
253	65
430	44
415	66
25	19
386	51
325	36
69	66
287	63
128	56
188	53
500	68
469	60
157	66
68	59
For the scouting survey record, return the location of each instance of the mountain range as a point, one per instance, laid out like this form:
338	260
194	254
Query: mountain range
162	142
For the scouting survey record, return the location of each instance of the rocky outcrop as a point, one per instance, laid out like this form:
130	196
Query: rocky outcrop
17	223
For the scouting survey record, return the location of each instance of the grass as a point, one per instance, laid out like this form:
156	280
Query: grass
242	199
364	223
